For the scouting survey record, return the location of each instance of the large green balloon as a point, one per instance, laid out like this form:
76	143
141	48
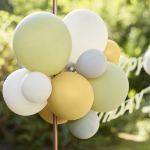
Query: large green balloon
110	89
42	43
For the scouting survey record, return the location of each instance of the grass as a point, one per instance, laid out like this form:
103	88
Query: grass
122	145
130	142
127	145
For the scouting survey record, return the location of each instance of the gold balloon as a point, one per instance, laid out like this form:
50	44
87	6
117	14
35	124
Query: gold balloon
47	115
110	89
72	96
112	52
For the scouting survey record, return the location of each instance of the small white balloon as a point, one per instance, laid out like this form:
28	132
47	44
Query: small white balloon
88	31
36	87
13	97
85	127
68	66
91	64
146	62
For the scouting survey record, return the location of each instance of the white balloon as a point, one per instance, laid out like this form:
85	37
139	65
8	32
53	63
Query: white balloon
13	96
88	31
85	127
68	66
146	63
147	54
91	64
36	87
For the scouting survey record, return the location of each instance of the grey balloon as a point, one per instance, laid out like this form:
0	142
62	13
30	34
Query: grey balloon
85	127
91	64
19	64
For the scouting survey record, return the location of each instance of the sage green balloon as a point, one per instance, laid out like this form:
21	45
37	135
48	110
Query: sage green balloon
42	43
84	127
110	89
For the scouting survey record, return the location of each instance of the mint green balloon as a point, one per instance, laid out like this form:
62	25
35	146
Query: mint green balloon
110	89
42	43
84	127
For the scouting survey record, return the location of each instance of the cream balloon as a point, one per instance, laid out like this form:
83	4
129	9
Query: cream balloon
84	127
42	43
110	89
88	31
146	62
13	97
91	64
36	87
147	54
72	96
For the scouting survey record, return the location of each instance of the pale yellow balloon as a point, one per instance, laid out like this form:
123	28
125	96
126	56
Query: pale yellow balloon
42	43
72	96
110	89
112	52
47	115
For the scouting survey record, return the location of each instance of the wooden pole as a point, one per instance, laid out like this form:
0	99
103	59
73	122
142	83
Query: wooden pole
55	7
55	130
55	139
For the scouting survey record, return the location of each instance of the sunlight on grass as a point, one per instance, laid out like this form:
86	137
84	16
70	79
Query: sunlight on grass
136	138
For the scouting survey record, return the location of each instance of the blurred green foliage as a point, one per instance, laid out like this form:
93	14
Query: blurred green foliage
128	24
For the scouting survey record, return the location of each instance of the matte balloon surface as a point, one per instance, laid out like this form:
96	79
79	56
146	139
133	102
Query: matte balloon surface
36	87
146	62
47	115
72	96
13	97
88	31
112	52
110	89
85	127
42	43
91	64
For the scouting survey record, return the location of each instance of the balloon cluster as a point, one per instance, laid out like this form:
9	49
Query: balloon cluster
49	84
